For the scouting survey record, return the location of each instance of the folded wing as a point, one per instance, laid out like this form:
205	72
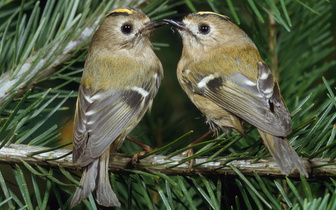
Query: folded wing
103	116
259	103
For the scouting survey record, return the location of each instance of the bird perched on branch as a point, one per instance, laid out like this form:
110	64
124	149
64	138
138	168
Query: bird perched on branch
223	74
121	76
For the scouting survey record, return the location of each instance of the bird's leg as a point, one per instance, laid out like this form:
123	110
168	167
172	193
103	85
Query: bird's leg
190	152
145	149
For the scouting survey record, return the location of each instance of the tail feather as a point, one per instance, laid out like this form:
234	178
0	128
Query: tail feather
88	183
100	184
104	193
283	153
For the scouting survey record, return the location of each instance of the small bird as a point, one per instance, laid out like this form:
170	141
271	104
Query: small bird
224	75
121	76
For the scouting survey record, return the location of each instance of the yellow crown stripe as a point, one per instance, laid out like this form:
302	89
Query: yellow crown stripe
128	11
212	13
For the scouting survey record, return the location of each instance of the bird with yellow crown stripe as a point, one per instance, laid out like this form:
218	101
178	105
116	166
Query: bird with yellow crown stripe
121	76
223	74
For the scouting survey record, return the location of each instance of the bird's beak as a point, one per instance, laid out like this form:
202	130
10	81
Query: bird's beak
178	25
150	26
158	24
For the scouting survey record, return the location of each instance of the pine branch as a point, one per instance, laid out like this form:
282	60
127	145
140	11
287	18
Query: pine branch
15	153
36	73
32	71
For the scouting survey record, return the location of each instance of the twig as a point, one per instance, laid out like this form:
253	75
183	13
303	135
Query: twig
318	167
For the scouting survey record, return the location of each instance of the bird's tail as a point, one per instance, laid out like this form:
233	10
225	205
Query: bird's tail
101	184
105	196
283	153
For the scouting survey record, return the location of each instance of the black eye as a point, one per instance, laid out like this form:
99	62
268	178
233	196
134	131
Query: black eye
204	28
127	28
